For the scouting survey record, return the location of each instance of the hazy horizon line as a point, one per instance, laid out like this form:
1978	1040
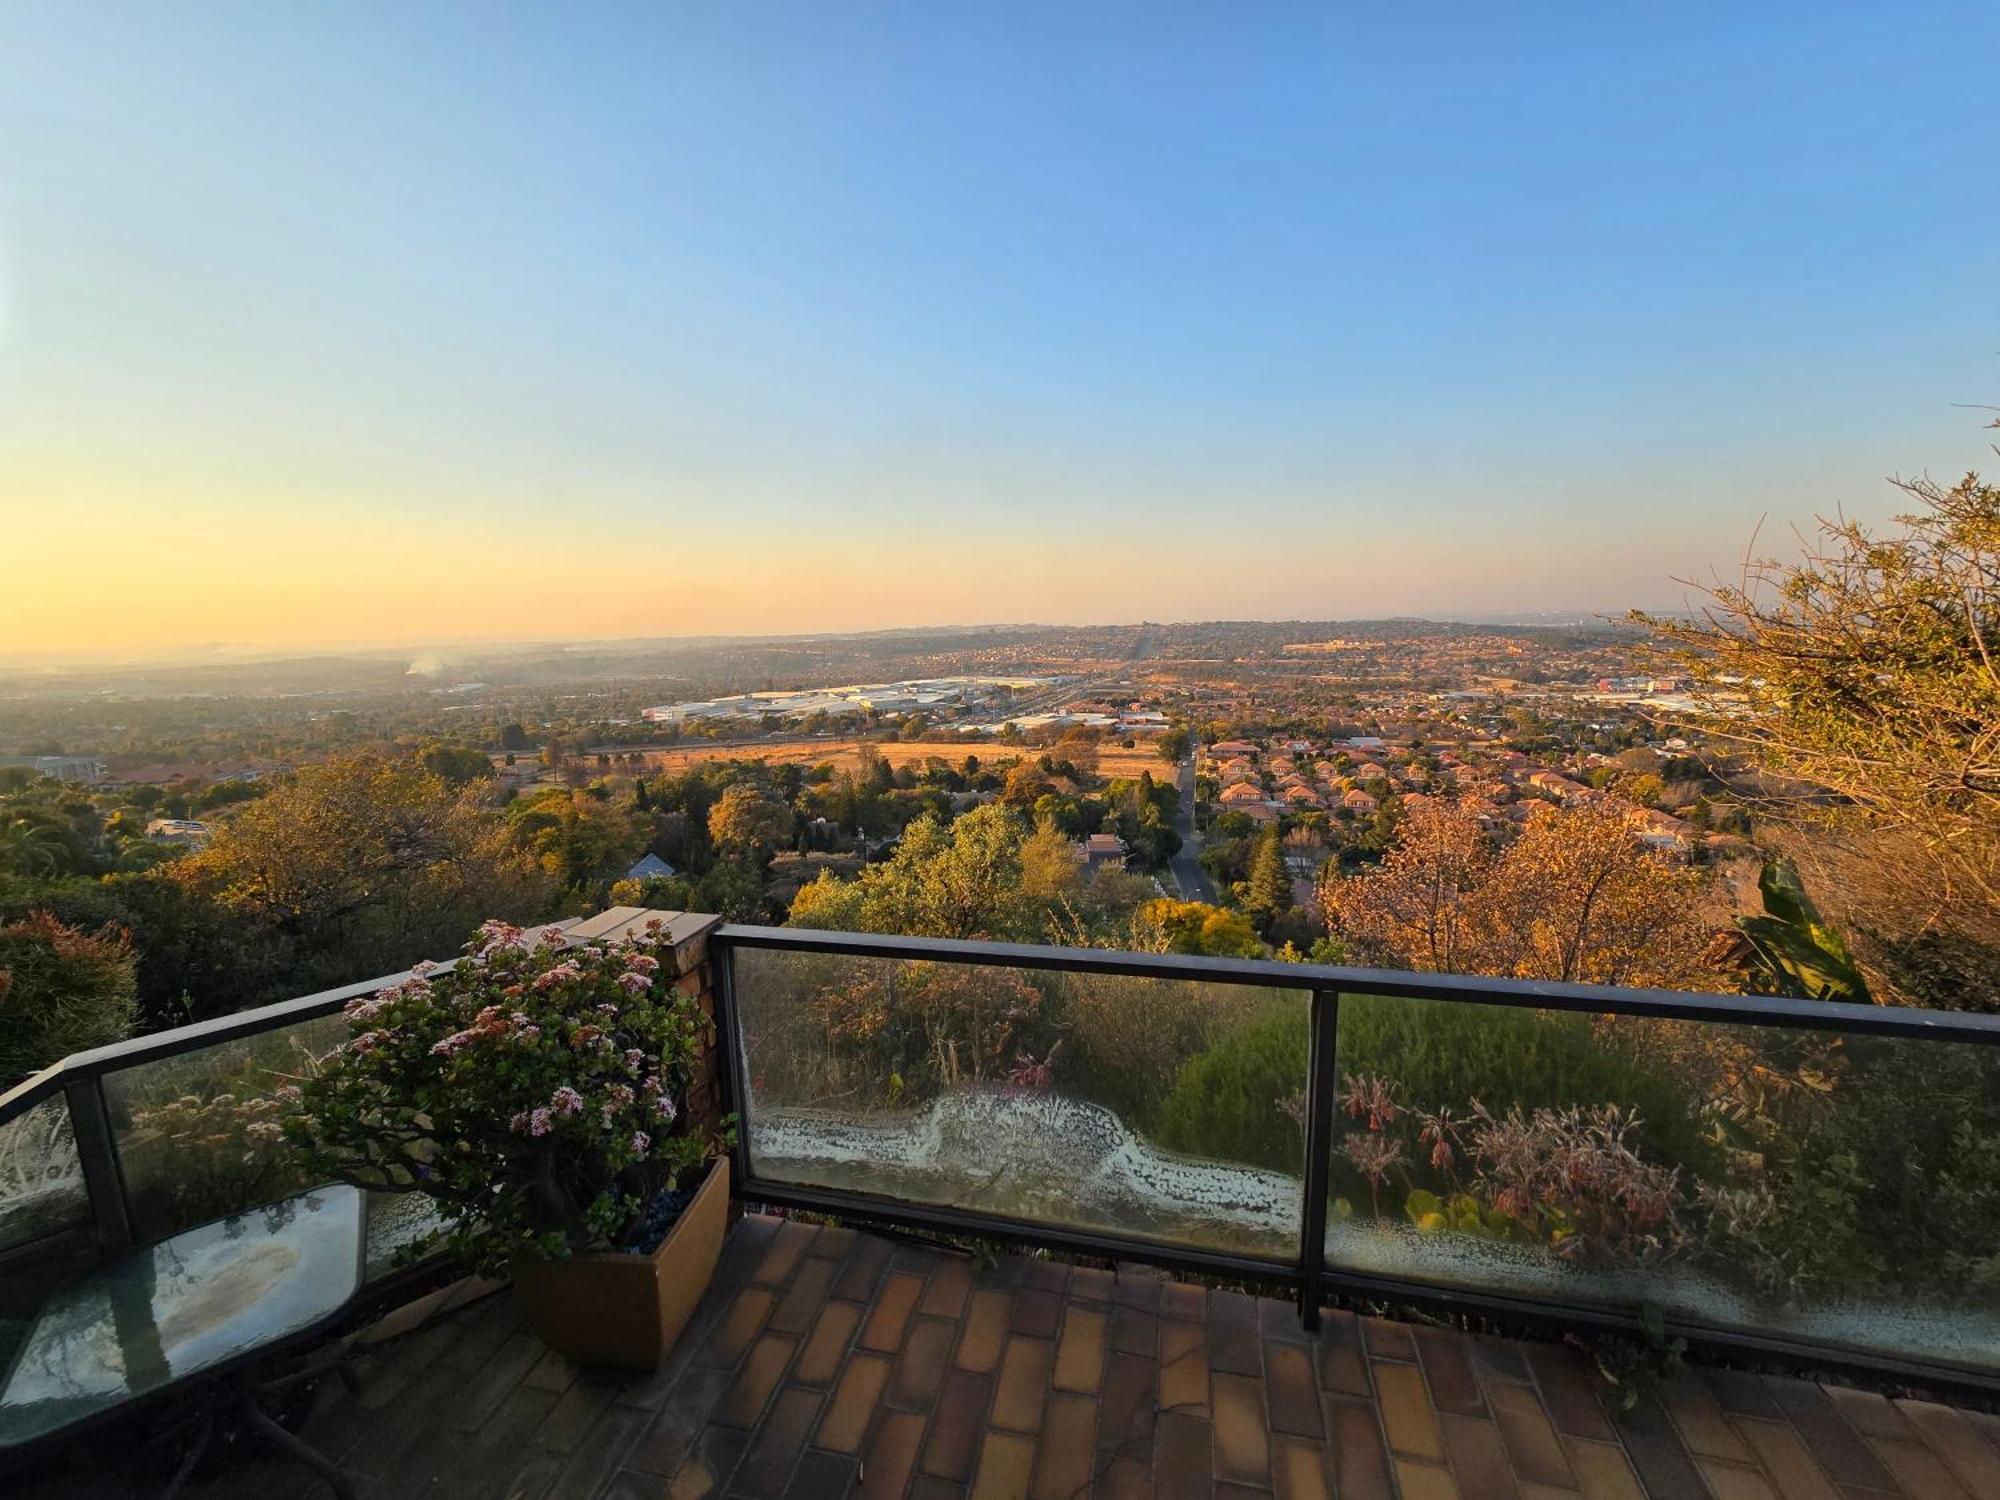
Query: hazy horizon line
243	653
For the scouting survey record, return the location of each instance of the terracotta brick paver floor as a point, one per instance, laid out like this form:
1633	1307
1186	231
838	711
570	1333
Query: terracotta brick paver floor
829	1363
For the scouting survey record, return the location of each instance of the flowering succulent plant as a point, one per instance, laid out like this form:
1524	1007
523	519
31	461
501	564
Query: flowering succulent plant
532	1090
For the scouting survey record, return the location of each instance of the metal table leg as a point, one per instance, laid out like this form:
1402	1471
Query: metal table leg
279	1437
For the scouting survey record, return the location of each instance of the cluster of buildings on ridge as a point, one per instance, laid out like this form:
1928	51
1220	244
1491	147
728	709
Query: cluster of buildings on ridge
1351	778
972	705
921	695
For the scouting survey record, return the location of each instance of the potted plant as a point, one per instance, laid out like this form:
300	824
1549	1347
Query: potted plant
534	1091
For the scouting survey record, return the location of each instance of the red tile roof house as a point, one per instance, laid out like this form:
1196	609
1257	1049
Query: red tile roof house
1558	785
1661	831
1241	792
1229	749
1101	851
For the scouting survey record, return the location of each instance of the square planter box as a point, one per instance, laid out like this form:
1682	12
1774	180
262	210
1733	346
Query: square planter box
624	1312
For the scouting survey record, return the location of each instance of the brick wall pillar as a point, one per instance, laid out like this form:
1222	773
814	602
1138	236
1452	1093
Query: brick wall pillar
695	970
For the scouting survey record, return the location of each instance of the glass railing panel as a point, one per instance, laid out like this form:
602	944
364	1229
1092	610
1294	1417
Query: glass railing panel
197	1135
41	1180
400	1227
1162	1110
1793	1183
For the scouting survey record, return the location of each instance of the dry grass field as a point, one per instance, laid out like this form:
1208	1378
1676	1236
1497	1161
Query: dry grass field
1113	759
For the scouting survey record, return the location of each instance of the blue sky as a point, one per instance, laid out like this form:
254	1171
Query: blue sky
798	317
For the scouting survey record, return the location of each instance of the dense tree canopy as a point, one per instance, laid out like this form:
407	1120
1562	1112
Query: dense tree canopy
362	863
1574	898
751	820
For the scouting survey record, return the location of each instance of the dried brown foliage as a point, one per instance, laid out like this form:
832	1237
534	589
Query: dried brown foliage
1575	898
1870	668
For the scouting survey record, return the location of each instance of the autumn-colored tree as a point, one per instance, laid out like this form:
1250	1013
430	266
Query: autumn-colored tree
1050	873
750	820
1869	669
1574	898
580	838
362	863
1169	926
1027	783
1078	746
1410	909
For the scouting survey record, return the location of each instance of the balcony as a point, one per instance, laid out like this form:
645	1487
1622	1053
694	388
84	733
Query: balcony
1221	1162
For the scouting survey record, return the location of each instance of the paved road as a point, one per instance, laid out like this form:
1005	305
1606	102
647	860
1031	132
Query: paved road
1189	876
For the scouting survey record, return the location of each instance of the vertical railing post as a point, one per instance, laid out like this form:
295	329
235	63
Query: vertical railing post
730	1069
1320	1086
97	1157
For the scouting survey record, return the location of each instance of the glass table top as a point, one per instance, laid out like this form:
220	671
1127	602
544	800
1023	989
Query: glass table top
187	1304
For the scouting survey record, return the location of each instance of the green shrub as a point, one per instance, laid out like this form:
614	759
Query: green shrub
1126	1039
1884	1178
1443	1054
1239	1100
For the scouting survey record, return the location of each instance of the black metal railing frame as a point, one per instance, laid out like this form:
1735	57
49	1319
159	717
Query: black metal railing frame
1308	1275
79	1081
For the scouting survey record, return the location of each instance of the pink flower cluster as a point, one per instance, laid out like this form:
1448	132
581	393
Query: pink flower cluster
488	1024
531	1122
497	936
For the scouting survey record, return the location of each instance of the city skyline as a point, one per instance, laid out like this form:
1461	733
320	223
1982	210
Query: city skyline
367	327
